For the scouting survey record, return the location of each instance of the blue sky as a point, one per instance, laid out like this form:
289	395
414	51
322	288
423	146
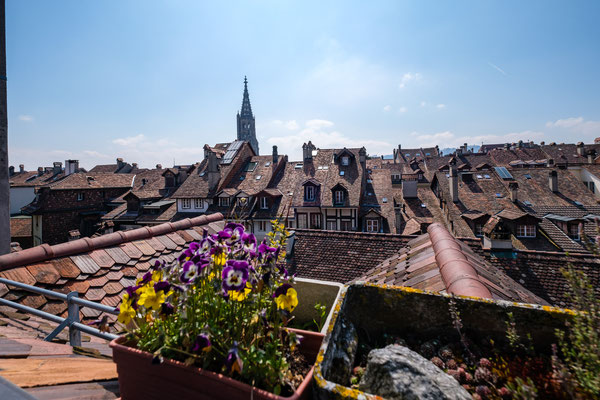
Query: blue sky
153	81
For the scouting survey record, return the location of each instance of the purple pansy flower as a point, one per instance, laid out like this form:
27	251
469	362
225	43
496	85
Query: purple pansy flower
235	275
194	246
266	250
233	361
206	244
202	343
281	290
249	242
162	285
167	308
188	272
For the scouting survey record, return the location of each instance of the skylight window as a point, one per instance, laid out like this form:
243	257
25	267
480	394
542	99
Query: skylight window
298	166
341	173
427	154
527	203
499	195
479	176
384	200
320	167
242	178
258	177
250	166
527	176
418	154
268	164
202	173
578	203
487	176
407	154
503	173
423	205
369	180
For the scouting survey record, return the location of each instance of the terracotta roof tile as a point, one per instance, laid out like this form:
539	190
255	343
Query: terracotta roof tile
179	241
143	266
20	275
117	254
44	273
130	272
102	258
98	282
86	264
20	227
66	268
78	286
195	235
156	244
144	247
113	287
114	275
90	312
126	282
95	294
111	301
55	307
131	250
34	301
169	244
82	277
186	236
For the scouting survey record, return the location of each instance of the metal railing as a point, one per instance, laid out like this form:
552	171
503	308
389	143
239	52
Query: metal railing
72	321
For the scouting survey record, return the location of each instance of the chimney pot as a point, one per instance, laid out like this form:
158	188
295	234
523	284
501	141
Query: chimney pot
21	168
158	166
580	149
134	165
40	171
275	155
57	168
553	181
11	170
542	143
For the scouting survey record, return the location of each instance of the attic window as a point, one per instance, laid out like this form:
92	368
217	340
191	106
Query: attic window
427	154
258	177
267	164
499	195
527	203
527	176
202	173
578	203
369	180
242	178
384	200
487	177
298	166
250	166
423	205
479	176
341	173
345	160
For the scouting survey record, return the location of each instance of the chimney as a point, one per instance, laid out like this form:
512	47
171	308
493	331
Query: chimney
21	168
11	170
542	143
459	151
513	187
133	165
553	181
580	149
71	166
590	158
57	168
307	150
550	163
454	184
465	147
120	163
506	146
40	171
362	154
520	144
275	155
212	170
158	166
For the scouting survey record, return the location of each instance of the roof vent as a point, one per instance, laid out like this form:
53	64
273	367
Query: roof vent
384	200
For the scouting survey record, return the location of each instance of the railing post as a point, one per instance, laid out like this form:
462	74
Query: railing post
73	309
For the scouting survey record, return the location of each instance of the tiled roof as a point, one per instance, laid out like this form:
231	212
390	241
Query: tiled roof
253	182
99	268
341	256
540	272
86	180
379	195
567	153
439	262
20	226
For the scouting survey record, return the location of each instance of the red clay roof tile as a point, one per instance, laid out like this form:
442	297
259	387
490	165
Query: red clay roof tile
111	301
95	294
78	286
113	287
55	307
126	282
131	250
102	258
34	301
117	254
156	244
169	244
98	282
144	247
114	275
44	273
130	272
86	264
19	275
176	238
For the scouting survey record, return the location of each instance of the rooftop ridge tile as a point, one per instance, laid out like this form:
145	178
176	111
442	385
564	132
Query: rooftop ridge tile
45	252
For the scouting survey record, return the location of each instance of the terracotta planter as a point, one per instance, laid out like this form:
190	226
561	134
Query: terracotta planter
140	379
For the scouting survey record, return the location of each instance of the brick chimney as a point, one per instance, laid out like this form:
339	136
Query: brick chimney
580	149
542	143
40	171
453	184
307	150
212	170
553	181
362	156
120	163
520	144
275	155
134	165
506	146
514	188
56	168
71	167
590	157
158	166
11	170
21	168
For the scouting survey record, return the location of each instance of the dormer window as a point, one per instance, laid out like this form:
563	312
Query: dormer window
526	231
186	203
169	181
264	203
224	201
339	197
309	193
345	160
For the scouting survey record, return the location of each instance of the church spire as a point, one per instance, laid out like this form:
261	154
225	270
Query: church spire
245	121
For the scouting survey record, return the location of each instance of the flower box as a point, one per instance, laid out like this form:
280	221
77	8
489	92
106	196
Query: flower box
379	311
140	379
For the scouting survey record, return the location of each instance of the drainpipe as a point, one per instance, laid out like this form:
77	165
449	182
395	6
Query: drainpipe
4	186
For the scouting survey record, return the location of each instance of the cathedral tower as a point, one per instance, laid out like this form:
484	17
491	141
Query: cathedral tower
245	121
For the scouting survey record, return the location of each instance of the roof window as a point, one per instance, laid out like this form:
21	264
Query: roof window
242	178
258	177
499	195
527	203
384	200
298	166
268	163
479	176
341	173
486	176
578	203
250	166
527	176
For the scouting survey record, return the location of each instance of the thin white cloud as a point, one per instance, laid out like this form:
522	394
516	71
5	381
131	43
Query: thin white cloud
387	108
449	139
26	118
292	125
423	104
441	106
497	68
576	125
94	154
402	110
320	132
409	77
129	141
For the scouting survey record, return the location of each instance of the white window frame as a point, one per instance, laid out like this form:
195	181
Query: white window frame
302	221
80	196
262	226
526	231
264	203
372	225
339	197
198	203
330	227
309	193
186	203
345	161
224	201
